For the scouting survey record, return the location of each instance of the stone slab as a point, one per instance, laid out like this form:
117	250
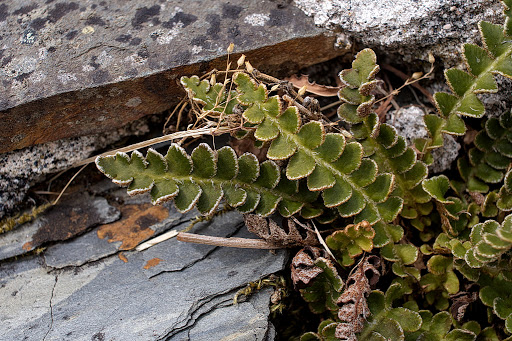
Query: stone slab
90	247
112	300
73	216
247	321
408	29
77	68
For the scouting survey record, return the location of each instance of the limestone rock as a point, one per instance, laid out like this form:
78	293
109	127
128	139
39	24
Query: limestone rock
72	217
21	169
408	122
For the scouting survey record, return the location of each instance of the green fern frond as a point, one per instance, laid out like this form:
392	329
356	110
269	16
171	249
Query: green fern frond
381	142
326	332
496	293
204	178
491	157
213	98
321	284
348	182
482	64
387	322
350	242
488	242
437	327
504	198
440	282
401	255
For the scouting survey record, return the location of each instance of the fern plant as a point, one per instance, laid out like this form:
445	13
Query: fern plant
370	192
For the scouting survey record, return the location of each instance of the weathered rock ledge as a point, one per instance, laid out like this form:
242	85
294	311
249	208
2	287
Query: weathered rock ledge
79	68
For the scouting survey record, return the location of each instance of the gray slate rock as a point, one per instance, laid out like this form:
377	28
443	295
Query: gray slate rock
112	300
246	321
74	68
73	216
89	247
406	28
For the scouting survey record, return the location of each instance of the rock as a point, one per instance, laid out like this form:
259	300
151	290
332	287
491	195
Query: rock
139	222
498	103
113	300
79	68
71	217
409	29
409	123
245	321
191	253
21	169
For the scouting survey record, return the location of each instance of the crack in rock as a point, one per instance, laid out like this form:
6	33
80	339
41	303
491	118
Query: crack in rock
51	308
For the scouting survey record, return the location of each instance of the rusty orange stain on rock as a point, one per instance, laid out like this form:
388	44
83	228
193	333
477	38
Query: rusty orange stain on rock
122	257
27	246
134	226
152	262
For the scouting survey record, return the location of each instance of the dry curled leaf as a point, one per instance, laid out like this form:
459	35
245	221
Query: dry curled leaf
477	197
285	236
460	303
317	89
303	265
354	309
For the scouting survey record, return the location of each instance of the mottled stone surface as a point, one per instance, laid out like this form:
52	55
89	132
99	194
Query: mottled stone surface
409	123
72	217
186	295
22	169
91	246
406	28
74	68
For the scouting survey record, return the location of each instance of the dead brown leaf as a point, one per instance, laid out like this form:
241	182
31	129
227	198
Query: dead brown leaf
354	309
272	233
460	303
317	89
247	145
303	265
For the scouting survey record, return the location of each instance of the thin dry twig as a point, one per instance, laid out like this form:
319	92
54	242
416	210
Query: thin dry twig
409	81
242	243
181	103
329	106
48	193
321	240
161	238
69	183
299	106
